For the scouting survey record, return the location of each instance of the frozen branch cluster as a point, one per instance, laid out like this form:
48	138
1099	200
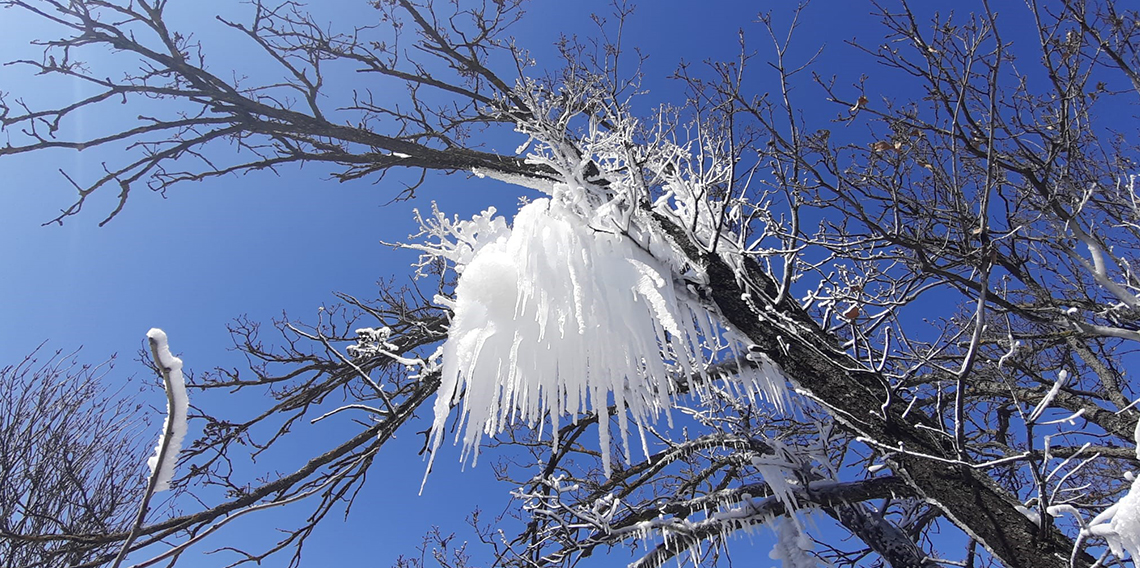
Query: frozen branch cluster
454	239
372	341
795	482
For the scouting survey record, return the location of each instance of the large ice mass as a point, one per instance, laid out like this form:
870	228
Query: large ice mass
561	314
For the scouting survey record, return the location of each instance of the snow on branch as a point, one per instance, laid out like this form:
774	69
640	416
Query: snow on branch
453	239
177	404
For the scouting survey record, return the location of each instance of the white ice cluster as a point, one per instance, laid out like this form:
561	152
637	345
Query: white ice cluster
1119	524
175	413
370	341
793	547
562	314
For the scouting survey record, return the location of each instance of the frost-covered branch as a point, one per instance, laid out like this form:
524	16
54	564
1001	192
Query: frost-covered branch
677	538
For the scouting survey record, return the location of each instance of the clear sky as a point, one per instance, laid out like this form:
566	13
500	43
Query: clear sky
263	244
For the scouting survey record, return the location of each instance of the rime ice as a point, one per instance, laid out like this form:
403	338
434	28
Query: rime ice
175	414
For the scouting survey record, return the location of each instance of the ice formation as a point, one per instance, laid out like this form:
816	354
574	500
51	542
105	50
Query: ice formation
793	546
561	314
175	413
1119	524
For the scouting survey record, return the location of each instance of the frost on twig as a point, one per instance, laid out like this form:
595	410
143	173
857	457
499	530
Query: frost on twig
453	239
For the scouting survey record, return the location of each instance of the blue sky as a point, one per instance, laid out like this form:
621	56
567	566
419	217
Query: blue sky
262	244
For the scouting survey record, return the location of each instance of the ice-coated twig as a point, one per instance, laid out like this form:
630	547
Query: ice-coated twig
1071	419
1064	463
170	442
338	410
977	466
363	375
177	404
1062	378
1098	268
